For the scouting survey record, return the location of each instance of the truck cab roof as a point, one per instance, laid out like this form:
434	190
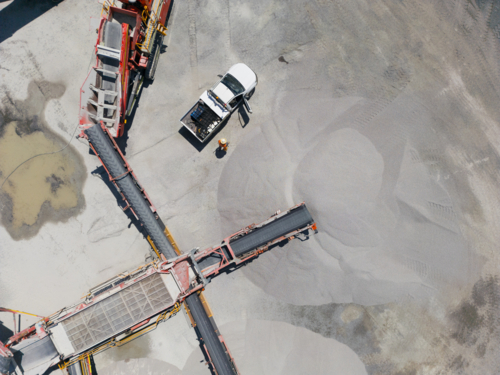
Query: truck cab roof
239	79
243	74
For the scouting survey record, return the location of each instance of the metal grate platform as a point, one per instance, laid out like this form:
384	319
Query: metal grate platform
117	312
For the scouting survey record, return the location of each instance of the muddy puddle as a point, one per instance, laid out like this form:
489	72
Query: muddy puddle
47	187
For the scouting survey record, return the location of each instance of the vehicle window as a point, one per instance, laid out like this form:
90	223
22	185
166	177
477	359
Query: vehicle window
235	101
232	84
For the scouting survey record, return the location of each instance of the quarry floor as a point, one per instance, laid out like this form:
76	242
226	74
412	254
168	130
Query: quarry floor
381	115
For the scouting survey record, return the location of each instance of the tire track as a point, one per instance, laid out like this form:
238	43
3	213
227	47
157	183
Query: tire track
193	47
228	39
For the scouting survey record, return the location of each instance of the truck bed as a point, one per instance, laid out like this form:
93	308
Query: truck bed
201	120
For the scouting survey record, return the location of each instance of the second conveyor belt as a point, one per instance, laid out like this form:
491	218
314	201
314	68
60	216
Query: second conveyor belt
295	219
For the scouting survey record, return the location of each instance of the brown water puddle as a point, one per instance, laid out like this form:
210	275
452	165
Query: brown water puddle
47	187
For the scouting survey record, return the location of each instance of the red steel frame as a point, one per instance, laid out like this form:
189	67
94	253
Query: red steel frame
177	267
216	268
131	58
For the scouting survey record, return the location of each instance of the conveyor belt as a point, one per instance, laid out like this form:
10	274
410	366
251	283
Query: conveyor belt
298	218
210	338
115	166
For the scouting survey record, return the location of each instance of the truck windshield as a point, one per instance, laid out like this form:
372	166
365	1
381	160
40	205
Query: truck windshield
232	84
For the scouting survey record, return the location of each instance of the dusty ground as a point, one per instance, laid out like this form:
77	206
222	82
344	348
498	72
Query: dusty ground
382	115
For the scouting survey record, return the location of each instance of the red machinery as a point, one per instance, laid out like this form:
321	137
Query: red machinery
128	47
133	303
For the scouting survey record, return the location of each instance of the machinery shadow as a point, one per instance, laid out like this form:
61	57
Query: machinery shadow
19	13
122	141
5	333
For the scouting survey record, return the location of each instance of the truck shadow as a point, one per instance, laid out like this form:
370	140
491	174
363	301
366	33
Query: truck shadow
19	13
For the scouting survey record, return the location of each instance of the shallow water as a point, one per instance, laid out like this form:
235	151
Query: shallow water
46	178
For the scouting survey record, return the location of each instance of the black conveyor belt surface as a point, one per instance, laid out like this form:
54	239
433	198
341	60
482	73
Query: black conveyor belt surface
298	218
114	164
210	337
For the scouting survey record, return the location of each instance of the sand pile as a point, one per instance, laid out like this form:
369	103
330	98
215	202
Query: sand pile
266	347
375	245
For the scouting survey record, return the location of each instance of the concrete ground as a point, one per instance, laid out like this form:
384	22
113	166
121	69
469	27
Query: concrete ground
382	115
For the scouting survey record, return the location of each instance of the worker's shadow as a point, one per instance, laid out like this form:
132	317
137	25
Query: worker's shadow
101	173
219	153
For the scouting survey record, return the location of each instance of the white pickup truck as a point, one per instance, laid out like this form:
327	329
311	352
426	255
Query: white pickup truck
216	104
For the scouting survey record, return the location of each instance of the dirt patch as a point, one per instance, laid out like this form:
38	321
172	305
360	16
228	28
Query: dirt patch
40	180
475	319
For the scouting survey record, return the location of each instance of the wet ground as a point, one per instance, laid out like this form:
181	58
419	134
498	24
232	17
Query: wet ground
41	177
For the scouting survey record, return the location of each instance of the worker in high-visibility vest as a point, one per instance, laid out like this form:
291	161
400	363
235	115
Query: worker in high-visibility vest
223	144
